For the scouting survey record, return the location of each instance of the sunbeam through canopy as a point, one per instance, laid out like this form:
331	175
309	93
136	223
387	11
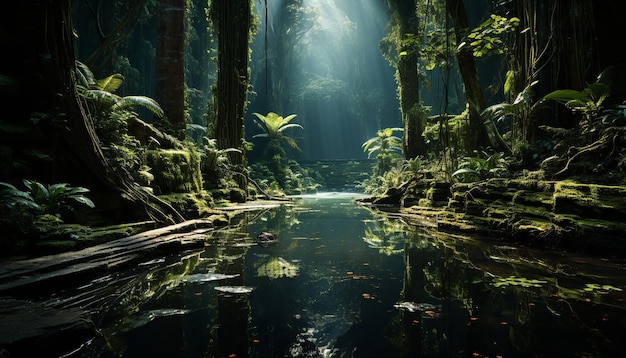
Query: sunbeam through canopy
320	60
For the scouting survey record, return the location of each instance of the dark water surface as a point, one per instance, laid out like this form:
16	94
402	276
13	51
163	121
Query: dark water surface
345	282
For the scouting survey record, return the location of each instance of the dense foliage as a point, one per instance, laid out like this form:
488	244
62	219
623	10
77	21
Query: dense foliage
477	96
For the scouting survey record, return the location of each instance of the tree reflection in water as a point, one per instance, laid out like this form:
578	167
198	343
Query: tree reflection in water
359	284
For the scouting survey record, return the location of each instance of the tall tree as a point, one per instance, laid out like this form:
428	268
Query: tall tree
234	21
44	54
283	49
170	62
406	22
477	134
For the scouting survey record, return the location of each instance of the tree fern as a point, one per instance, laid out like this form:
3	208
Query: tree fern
101	91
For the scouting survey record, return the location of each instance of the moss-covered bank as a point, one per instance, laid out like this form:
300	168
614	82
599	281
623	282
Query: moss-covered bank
548	214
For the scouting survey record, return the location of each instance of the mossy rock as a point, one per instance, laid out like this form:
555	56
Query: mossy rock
532	198
438	192
174	170
533	229
237	195
190	205
591	201
475	208
68	237
219	220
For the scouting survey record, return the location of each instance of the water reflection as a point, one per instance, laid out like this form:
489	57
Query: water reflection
342	281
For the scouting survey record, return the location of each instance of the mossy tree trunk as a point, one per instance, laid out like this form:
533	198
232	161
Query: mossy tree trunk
408	79
170	62
413	144
57	88
233	19
477	134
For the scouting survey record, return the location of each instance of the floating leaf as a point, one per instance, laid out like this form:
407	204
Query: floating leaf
234	289
517	281
277	267
206	277
590	287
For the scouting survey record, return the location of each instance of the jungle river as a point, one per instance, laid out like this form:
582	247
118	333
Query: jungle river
345	281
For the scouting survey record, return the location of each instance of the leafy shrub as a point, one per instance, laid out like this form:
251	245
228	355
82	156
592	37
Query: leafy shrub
36	209
481	168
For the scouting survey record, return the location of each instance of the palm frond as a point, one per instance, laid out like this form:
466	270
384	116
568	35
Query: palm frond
103	97
146	102
292	125
289	118
109	84
292	143
369	142
84	75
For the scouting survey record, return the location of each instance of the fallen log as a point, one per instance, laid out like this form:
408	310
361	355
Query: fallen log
43	274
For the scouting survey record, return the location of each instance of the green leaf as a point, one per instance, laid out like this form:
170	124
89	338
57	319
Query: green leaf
464	171
84	200
508	83
566	95
37	190
292	125
146	102
109	84
57	190
102	96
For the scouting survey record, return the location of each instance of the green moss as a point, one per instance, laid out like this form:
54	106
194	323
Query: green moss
174	170
190	205
219	220
68	237
112	232
590	200
531	198
597	227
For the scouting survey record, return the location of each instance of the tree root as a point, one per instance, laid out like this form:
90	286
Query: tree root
593	147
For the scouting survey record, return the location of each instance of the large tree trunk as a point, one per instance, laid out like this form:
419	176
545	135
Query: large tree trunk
57	88
170	62
477	134
413	144
233	19
412	116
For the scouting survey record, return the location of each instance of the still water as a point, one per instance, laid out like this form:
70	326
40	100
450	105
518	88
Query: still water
342	281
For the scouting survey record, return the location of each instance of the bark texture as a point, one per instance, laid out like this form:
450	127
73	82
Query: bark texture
477	134
170	62
233	19
408	81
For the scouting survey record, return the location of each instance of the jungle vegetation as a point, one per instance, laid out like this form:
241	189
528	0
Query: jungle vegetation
145	109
